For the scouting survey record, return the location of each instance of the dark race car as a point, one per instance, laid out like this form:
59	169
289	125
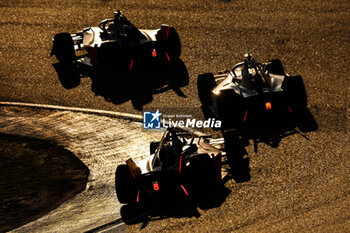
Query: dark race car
180	164
252	96
116	45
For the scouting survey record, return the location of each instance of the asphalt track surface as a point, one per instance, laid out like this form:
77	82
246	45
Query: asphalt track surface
116	141
303	184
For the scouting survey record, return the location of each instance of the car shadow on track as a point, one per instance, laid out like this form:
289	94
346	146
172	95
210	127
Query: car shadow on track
173	206
139	86
237	140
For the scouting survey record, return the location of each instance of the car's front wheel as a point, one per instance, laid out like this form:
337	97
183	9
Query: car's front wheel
230	108
294	89
63	48
125	185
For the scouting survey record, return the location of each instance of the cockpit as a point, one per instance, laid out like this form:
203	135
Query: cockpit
171	147
253	75
119	28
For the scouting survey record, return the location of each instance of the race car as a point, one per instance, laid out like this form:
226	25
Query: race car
116	45
180	163
252	95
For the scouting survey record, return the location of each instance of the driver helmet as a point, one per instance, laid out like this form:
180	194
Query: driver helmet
117	14
247	65
176	143
248	57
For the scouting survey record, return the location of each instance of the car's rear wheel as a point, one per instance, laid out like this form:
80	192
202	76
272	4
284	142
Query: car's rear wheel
230	109
169	39
205	83
125	185
234	146
295	92
63	48
202	175
235	152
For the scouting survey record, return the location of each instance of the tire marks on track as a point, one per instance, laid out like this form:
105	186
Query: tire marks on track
101	143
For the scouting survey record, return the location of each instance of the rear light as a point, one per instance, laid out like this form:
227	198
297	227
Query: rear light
180	164
155	186
290	110
245	116
132	62
131	173
138	196
167	33
268	105
185	191
167	56
154	53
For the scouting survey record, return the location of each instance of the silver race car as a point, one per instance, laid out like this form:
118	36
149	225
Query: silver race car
252	95
179	163
116	45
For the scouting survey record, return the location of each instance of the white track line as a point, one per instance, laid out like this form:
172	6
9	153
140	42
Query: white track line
128	116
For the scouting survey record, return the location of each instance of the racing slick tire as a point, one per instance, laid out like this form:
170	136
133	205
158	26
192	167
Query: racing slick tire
235	151
63	48
275	67
205	83
234	146
230	109
202	175
169	39
125	185
295	93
